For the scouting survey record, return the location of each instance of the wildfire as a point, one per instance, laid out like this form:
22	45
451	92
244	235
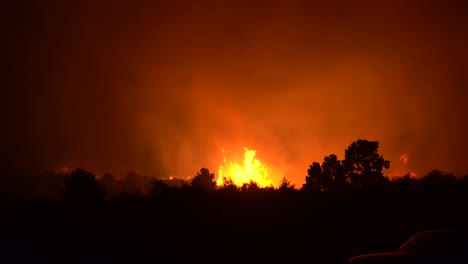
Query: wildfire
244	171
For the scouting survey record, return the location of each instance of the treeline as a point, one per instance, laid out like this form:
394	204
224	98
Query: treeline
361	169
346	207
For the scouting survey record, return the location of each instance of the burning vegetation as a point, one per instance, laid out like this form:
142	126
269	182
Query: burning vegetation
244	170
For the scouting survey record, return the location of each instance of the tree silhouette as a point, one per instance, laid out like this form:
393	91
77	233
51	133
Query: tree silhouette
313	178
204	180
333	173
82	187
329	176
286	185
363	164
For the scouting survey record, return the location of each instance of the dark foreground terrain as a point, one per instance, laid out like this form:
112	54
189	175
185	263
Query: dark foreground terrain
208	227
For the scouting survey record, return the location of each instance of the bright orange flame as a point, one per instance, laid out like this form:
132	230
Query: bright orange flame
250	169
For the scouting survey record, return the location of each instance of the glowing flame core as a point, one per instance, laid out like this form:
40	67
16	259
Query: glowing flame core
250	169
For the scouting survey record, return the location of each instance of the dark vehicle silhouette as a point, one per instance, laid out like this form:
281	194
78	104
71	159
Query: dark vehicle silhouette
431	246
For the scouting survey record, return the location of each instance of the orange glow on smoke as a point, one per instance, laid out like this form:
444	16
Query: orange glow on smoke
404	158
244	170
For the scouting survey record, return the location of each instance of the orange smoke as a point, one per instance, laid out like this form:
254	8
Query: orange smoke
402	168
244	170
404	158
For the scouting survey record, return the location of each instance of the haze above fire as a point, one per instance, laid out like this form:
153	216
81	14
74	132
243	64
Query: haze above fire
160	87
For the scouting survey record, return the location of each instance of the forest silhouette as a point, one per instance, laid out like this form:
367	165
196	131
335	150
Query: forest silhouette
345	207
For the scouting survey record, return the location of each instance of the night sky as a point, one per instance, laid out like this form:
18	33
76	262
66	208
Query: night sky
160	87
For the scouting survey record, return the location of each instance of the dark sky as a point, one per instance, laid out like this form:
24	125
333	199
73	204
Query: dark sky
160	86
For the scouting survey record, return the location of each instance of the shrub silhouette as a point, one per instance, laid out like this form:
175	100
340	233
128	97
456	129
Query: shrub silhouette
159	187
251	186
228	185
